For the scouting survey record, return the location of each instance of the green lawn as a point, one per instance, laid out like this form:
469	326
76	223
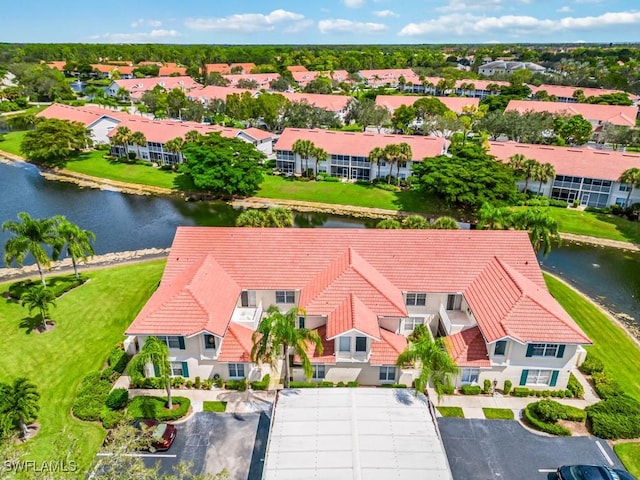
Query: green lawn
11	142
629	453
599	225
611	344
90	321
455	412
498	413
214	406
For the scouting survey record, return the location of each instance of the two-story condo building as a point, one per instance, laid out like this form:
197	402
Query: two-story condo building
363	291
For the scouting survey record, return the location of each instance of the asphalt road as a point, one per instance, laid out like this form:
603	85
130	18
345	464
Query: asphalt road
504	449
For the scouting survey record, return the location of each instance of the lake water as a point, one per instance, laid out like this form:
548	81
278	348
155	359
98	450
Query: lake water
133	222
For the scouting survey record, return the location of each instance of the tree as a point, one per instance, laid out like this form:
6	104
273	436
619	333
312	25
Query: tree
156	352
431	357
31	235
277	217
122	138
402	118
389	224
304	149
175	146
248	84
320	155
77	240
223	166
493	218
573	130
542	228
416	222
404	156
377	155
139	140
277	333
631	177
215	78
428	107
445	223
39	298
544	173
54	141
529	168
379	117
19	401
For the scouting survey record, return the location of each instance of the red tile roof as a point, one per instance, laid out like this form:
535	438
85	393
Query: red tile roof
352	314
455	104
215	92
468	348
614	114
507	304
573	161
389	75
133	85
297	68
172	70
58	65
386	351
328	348
568	91
481	84
236	345
360	144
302	78
246	67
262	79
333	103
221	68
87	115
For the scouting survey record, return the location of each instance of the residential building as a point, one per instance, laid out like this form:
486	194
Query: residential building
349	152
206	94
455	104
566	94
389	77
336	104
262	79
304	77
482	290
139	86
586	175
501	66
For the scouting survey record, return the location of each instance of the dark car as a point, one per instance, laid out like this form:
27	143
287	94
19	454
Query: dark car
161	434
592	472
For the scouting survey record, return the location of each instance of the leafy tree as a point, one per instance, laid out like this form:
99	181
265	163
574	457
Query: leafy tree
304	149
379	117
389	224
443	125
428	107
31	235
54	141
19	401
304	115
360	112
493	218
416	222
277	333
156	352
176	102
431	357
445	223
631	177
320	84
281	84
574	130
270	107
77	242
247	83
215	78
223	166
616	135
402	117
494	124
39	298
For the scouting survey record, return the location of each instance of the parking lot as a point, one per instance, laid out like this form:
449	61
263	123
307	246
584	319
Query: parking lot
502	449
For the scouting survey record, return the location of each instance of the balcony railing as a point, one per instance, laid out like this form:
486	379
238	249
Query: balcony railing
354	357
444	317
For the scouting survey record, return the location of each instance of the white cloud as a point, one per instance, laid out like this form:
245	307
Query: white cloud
244	22
385	13
565	9
353	3
146	22
468	24
299	26
480	5
138	37
340	25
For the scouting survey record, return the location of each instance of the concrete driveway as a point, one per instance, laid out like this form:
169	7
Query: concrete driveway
504	449
213	441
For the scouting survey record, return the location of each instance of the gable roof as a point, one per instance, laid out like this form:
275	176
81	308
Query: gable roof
566	91
468	348
134	85
352	314
614	114
455	104
386	351
236	345
87	115
333	103
302	78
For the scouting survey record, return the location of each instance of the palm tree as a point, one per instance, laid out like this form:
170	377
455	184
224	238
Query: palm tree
431	357
416	222
516	162
155	351
277	333
304	148
377	155
445	223
389	224
77	240
279	217
545	173
251	218
542	227
174	146
404	156
192	136
31	235
139	140
20	402
122	137
39	298
529	168
632	178
392	152
321	156
492	218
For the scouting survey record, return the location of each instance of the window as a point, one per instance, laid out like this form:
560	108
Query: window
624	187
542	350
470	375
173	341
500	348
209	342
416	299
318	372
236	370
539	377
361	344
285	296
387	374
248	298
454	302
178	369
345	344
300	322
411	323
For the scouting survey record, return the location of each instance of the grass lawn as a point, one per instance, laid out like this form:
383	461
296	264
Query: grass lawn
455	412
214	406
90	321
611	344
629	453
11	142
599	225
498	413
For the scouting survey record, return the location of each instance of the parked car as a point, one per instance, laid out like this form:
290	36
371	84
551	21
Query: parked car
592	472
162	434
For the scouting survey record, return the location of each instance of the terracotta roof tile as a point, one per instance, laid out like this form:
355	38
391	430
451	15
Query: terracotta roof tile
615	114
455	104
468	348
236	345
352	314
328	348
332	103
386	351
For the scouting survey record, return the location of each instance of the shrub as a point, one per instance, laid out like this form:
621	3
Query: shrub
617	417
188	384
448	389
605	386
91	397
486	388
214	406
177	382
218	382
109	374
558	203
531	418
207	384
575	387
118	399
507	387
353	383
341	384
324	384
302	385
395	385
262	384
591	364
240	385
470	389
155	407
118	360
521	392
197	383
111	418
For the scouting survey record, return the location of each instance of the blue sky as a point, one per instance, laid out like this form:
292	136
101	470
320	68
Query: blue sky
321	21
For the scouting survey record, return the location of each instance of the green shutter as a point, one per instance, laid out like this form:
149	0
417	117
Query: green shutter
523	377
560	351
181	343
530	350
156	371
185	370
554	378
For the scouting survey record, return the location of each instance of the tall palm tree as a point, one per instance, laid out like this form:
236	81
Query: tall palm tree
279	217
31	236
139	140
321	155
545	173
404	156
392	152
542	228
192	136
377	155
155	351
77	241
528	169
39	298
277	333
305	149
122	138
516	162
631	177
492	218
445	223
20	402
174	146
431	357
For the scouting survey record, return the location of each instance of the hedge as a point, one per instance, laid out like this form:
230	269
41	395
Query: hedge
111	418
575	387
262	384
617	417
530	392
393	385
311	384
155	408
592	364
118	360
118	399
91	396
240	385
550	411
470	389
605	386
507	387
531	418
